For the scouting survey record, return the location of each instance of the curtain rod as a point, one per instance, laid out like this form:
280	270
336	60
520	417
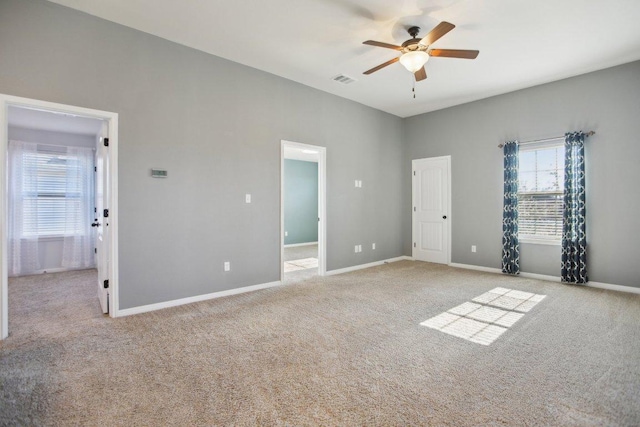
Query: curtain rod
547	139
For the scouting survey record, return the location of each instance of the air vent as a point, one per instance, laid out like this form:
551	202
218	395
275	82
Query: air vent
341	78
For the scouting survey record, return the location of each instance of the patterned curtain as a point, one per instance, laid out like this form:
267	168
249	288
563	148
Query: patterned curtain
510	244
574	229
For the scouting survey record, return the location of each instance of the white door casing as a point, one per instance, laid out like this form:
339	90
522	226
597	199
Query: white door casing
322	203
112	122
102	237
431	210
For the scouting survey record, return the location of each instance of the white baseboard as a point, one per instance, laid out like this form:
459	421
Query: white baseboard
475	267
611	287
369	265
539	277
57	270
293	245
548	278
189	300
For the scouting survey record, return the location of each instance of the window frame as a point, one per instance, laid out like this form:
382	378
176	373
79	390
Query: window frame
50	234
529	238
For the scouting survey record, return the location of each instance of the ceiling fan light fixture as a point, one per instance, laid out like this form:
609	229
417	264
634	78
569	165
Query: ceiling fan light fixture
414	60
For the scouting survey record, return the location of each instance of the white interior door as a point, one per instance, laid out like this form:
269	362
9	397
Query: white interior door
431	209
101	220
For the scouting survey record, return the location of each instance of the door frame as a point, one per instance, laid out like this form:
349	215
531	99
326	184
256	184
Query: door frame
322	204
7	101
413	203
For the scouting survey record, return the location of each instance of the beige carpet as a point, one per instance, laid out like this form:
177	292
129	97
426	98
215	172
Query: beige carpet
341	350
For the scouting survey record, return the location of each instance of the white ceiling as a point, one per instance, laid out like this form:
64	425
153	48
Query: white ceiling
522	43
28	118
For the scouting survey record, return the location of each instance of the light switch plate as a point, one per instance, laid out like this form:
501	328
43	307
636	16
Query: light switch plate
247	198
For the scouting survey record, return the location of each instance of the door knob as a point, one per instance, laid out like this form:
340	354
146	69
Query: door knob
95	224
444	217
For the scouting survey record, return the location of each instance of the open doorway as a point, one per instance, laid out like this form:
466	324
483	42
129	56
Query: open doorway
303	228
51	227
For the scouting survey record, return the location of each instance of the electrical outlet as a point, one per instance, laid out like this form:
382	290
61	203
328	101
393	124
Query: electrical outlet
247	198
356	249
359	248
473	248
286	233
373	246
227	266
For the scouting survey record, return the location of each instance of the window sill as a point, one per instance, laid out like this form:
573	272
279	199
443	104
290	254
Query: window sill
540	242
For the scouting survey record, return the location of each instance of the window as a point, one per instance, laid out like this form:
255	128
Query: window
540	192
54	184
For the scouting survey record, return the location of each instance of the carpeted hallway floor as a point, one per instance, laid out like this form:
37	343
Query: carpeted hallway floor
299	252
296	253
339	350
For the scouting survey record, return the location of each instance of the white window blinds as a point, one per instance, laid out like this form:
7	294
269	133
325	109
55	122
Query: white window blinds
44	193
540	192
54	187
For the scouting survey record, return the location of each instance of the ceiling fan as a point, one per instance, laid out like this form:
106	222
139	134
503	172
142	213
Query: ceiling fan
416	52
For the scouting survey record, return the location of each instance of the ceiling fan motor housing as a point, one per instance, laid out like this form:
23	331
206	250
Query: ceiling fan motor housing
413	43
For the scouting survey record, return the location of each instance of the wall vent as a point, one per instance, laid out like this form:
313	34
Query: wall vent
341	78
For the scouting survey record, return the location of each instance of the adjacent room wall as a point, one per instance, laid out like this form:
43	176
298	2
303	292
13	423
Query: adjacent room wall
50	248
300	201
216	127
606	101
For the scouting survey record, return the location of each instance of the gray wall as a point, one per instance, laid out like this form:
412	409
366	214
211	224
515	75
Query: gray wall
50	248
216	127
300	201
606	101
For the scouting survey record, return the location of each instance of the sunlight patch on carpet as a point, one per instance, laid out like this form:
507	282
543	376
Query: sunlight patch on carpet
486	317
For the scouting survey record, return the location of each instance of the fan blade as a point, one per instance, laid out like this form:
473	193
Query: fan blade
381	44
440	30
374	69
454	53
421	74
